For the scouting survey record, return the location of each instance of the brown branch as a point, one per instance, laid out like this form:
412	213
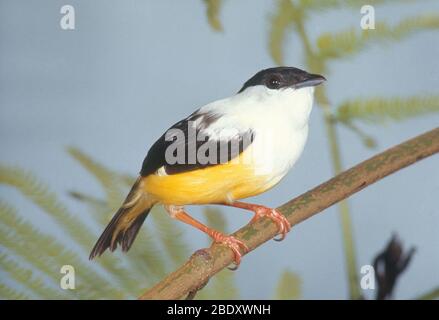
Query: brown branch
203	264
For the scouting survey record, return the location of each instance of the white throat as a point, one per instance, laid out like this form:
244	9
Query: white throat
293	105
279	119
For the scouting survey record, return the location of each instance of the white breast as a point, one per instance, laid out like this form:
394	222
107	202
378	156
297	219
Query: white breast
277	148
279	119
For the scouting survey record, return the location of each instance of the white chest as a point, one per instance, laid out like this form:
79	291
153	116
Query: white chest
277	147
279	121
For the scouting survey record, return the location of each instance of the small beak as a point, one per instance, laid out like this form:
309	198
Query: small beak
311	80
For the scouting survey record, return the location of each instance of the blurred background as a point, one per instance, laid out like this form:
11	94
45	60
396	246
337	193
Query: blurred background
80	108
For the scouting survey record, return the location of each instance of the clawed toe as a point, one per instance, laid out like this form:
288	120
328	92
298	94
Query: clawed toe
282	223
234	244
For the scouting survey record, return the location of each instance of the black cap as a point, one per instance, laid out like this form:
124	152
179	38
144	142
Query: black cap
283	77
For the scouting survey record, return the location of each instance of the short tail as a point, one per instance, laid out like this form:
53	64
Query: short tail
125	224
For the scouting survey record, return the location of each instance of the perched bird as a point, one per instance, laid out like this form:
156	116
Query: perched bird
227	150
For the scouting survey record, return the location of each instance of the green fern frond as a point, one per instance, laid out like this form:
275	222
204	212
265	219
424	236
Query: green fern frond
129	278
145	261
379	110
171	236
107	179
89	200
351	41
289	286
15	244
320	5
71	225
142	265
47	255
280	24
114	197
98	208
213	8
39	194
146	258
8	293
26	277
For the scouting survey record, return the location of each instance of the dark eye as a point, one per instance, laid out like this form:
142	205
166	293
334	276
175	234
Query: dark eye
274	83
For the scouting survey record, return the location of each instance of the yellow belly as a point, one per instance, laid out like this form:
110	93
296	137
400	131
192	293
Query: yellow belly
214	184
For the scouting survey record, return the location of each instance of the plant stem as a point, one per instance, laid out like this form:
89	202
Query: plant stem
315	64
345	218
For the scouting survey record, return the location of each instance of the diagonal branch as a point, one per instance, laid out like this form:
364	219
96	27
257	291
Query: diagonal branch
205	263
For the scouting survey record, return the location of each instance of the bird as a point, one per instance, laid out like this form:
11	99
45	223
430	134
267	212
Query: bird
225	151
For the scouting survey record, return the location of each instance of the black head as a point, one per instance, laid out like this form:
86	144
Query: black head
284	77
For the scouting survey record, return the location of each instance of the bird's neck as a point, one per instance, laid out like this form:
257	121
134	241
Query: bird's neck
289	106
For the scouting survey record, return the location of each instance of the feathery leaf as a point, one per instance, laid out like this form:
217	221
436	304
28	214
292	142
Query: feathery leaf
39	194
89	200
9	293
103	175
171	236
379	110
47	255
351	41
146	258
26	277
18	247
320	5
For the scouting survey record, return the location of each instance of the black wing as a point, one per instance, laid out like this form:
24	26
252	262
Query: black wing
200	122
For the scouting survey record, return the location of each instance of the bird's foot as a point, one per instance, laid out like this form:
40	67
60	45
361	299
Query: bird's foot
234	244
282	223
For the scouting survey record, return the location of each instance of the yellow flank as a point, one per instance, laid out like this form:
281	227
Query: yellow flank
214	184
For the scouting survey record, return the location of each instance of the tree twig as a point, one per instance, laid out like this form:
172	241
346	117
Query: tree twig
205	263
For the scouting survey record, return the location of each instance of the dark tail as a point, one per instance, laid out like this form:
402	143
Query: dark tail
125	224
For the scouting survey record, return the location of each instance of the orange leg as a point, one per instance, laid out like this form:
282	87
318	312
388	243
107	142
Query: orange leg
234	244
283	224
